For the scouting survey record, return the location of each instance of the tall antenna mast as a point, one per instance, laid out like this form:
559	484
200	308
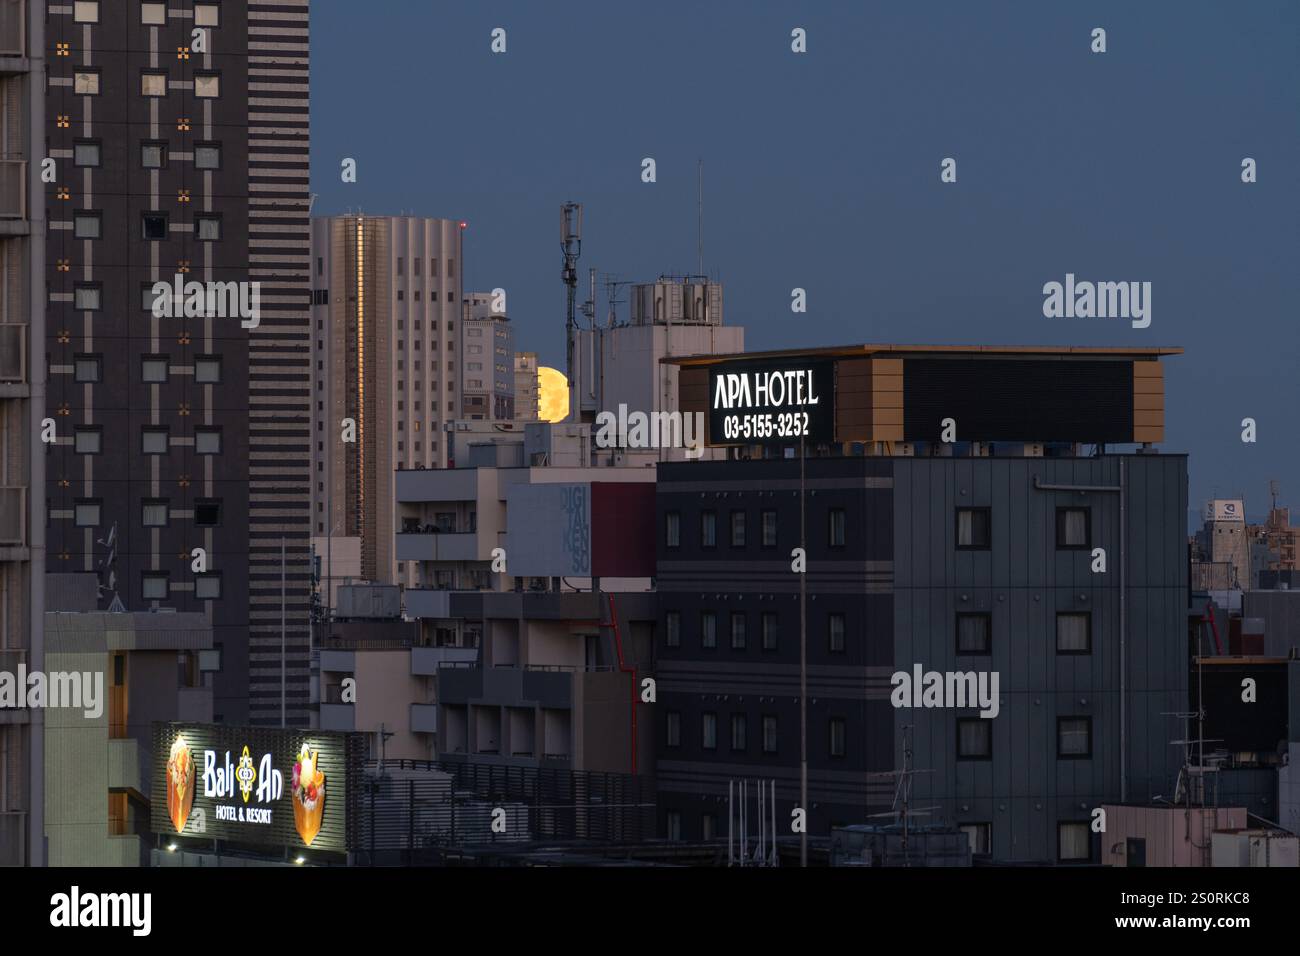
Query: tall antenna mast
699	248
571	243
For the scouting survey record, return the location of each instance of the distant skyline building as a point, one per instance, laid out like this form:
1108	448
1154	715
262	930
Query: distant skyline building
527	404
387	314
487	360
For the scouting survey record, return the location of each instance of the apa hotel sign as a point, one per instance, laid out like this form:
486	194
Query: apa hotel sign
255	785
771	402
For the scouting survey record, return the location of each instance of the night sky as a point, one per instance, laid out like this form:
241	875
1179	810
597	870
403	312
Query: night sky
821	171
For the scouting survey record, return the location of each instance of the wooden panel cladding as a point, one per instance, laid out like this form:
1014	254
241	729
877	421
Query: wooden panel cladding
869	400
1148	402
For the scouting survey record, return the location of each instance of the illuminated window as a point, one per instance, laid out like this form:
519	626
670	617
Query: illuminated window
153	14
207	15
85	11
86	82
207	86
153	441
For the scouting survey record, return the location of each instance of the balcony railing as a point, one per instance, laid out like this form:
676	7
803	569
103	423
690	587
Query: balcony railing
13	186
13	353
13	515
13	27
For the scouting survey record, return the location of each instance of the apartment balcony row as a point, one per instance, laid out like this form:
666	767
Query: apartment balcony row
550	686
10	659
13	37
425	661
13	360
430	544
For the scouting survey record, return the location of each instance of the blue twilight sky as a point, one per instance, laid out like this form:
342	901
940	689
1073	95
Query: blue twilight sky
821	171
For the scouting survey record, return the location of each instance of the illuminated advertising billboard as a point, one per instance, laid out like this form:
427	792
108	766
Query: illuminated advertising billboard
754	402
256	785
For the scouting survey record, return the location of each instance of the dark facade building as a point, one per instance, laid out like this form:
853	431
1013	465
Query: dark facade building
935	557
184	158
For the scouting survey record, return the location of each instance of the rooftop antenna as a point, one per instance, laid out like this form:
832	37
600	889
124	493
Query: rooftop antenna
699	249
1273	490
901	810
571	244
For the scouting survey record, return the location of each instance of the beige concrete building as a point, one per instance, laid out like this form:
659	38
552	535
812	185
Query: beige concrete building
526	393
154	667
386	335
487	359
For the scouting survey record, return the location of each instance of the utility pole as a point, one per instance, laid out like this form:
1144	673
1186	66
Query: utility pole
803	663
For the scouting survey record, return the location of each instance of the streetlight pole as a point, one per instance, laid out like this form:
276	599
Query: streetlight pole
283	666
803	664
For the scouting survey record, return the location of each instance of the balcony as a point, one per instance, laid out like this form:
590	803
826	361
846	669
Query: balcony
13	31
427	603
424	718
338	662
436	484
13	516
509	686
338	717
425	661
13	354
126	766
437	546
13	186
13	838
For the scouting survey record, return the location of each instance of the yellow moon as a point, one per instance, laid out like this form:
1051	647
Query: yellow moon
552	394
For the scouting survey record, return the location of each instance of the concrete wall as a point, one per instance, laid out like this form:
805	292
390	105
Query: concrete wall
385	692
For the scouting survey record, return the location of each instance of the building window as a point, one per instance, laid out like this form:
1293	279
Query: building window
85	513
1074	632
86	153
88	440
738	630
153	83
674	728
207	86
673	629
88	368
207	228
153	512
153	155
980	836
207	512
1074	842
974	633
709	730
837	732
835	531
207	586
87	297
153	369
973	528
769	630
1073	738
207	370
709	826
769	529
738	728
153	441
738	529
674	819
154	225
708	629
207	15
207	441
769	734
708	529
974	738
154	587
85	11
86	82
207	156
835	633
86	225
672	529
1073	529
153	14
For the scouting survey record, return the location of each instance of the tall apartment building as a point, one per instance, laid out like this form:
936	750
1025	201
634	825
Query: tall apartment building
386	316
922	555
175	433
22	407
487	361
527	405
